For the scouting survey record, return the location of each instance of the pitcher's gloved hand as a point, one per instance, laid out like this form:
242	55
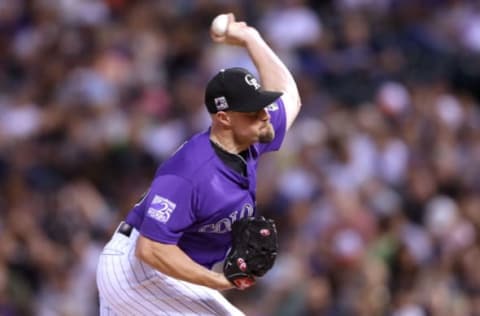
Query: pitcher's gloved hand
254	250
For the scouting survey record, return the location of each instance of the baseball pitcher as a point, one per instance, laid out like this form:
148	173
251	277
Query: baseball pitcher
200	207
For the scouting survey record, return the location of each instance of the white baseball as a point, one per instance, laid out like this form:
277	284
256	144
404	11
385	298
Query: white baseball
220	24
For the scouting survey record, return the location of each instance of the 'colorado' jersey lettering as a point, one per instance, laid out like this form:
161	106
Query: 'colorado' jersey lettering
225	224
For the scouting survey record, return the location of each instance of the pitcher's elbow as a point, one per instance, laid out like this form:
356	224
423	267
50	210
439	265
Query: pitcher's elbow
141	251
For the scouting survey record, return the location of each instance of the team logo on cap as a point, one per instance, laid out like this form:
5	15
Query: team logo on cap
252	81
221	103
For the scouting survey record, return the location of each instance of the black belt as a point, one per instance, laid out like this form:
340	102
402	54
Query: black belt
125	229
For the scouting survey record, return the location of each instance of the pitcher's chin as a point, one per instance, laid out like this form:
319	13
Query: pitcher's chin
267	134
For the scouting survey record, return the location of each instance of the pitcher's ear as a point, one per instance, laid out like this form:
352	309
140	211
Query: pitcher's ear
223	118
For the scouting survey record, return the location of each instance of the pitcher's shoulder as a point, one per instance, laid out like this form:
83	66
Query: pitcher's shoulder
190	158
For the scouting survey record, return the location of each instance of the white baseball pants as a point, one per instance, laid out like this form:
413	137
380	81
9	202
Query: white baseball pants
128	286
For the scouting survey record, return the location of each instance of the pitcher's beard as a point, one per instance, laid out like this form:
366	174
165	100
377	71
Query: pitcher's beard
267	134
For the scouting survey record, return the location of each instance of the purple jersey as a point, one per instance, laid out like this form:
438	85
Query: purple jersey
194	197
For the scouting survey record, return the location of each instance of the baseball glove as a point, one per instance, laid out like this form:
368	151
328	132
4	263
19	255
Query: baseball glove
253	252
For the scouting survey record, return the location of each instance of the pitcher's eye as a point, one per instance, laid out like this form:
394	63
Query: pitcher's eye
253	114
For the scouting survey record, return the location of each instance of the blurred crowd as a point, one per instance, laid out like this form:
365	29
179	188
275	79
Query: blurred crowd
376	191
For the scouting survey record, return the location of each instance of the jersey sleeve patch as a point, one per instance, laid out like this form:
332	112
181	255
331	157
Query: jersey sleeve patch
161	209
278	119
272	107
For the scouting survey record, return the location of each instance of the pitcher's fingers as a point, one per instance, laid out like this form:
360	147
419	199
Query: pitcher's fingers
217	38
231	17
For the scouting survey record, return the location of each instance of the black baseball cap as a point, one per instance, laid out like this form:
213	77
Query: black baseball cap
236	89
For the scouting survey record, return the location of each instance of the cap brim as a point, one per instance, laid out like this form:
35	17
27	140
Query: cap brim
262	99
